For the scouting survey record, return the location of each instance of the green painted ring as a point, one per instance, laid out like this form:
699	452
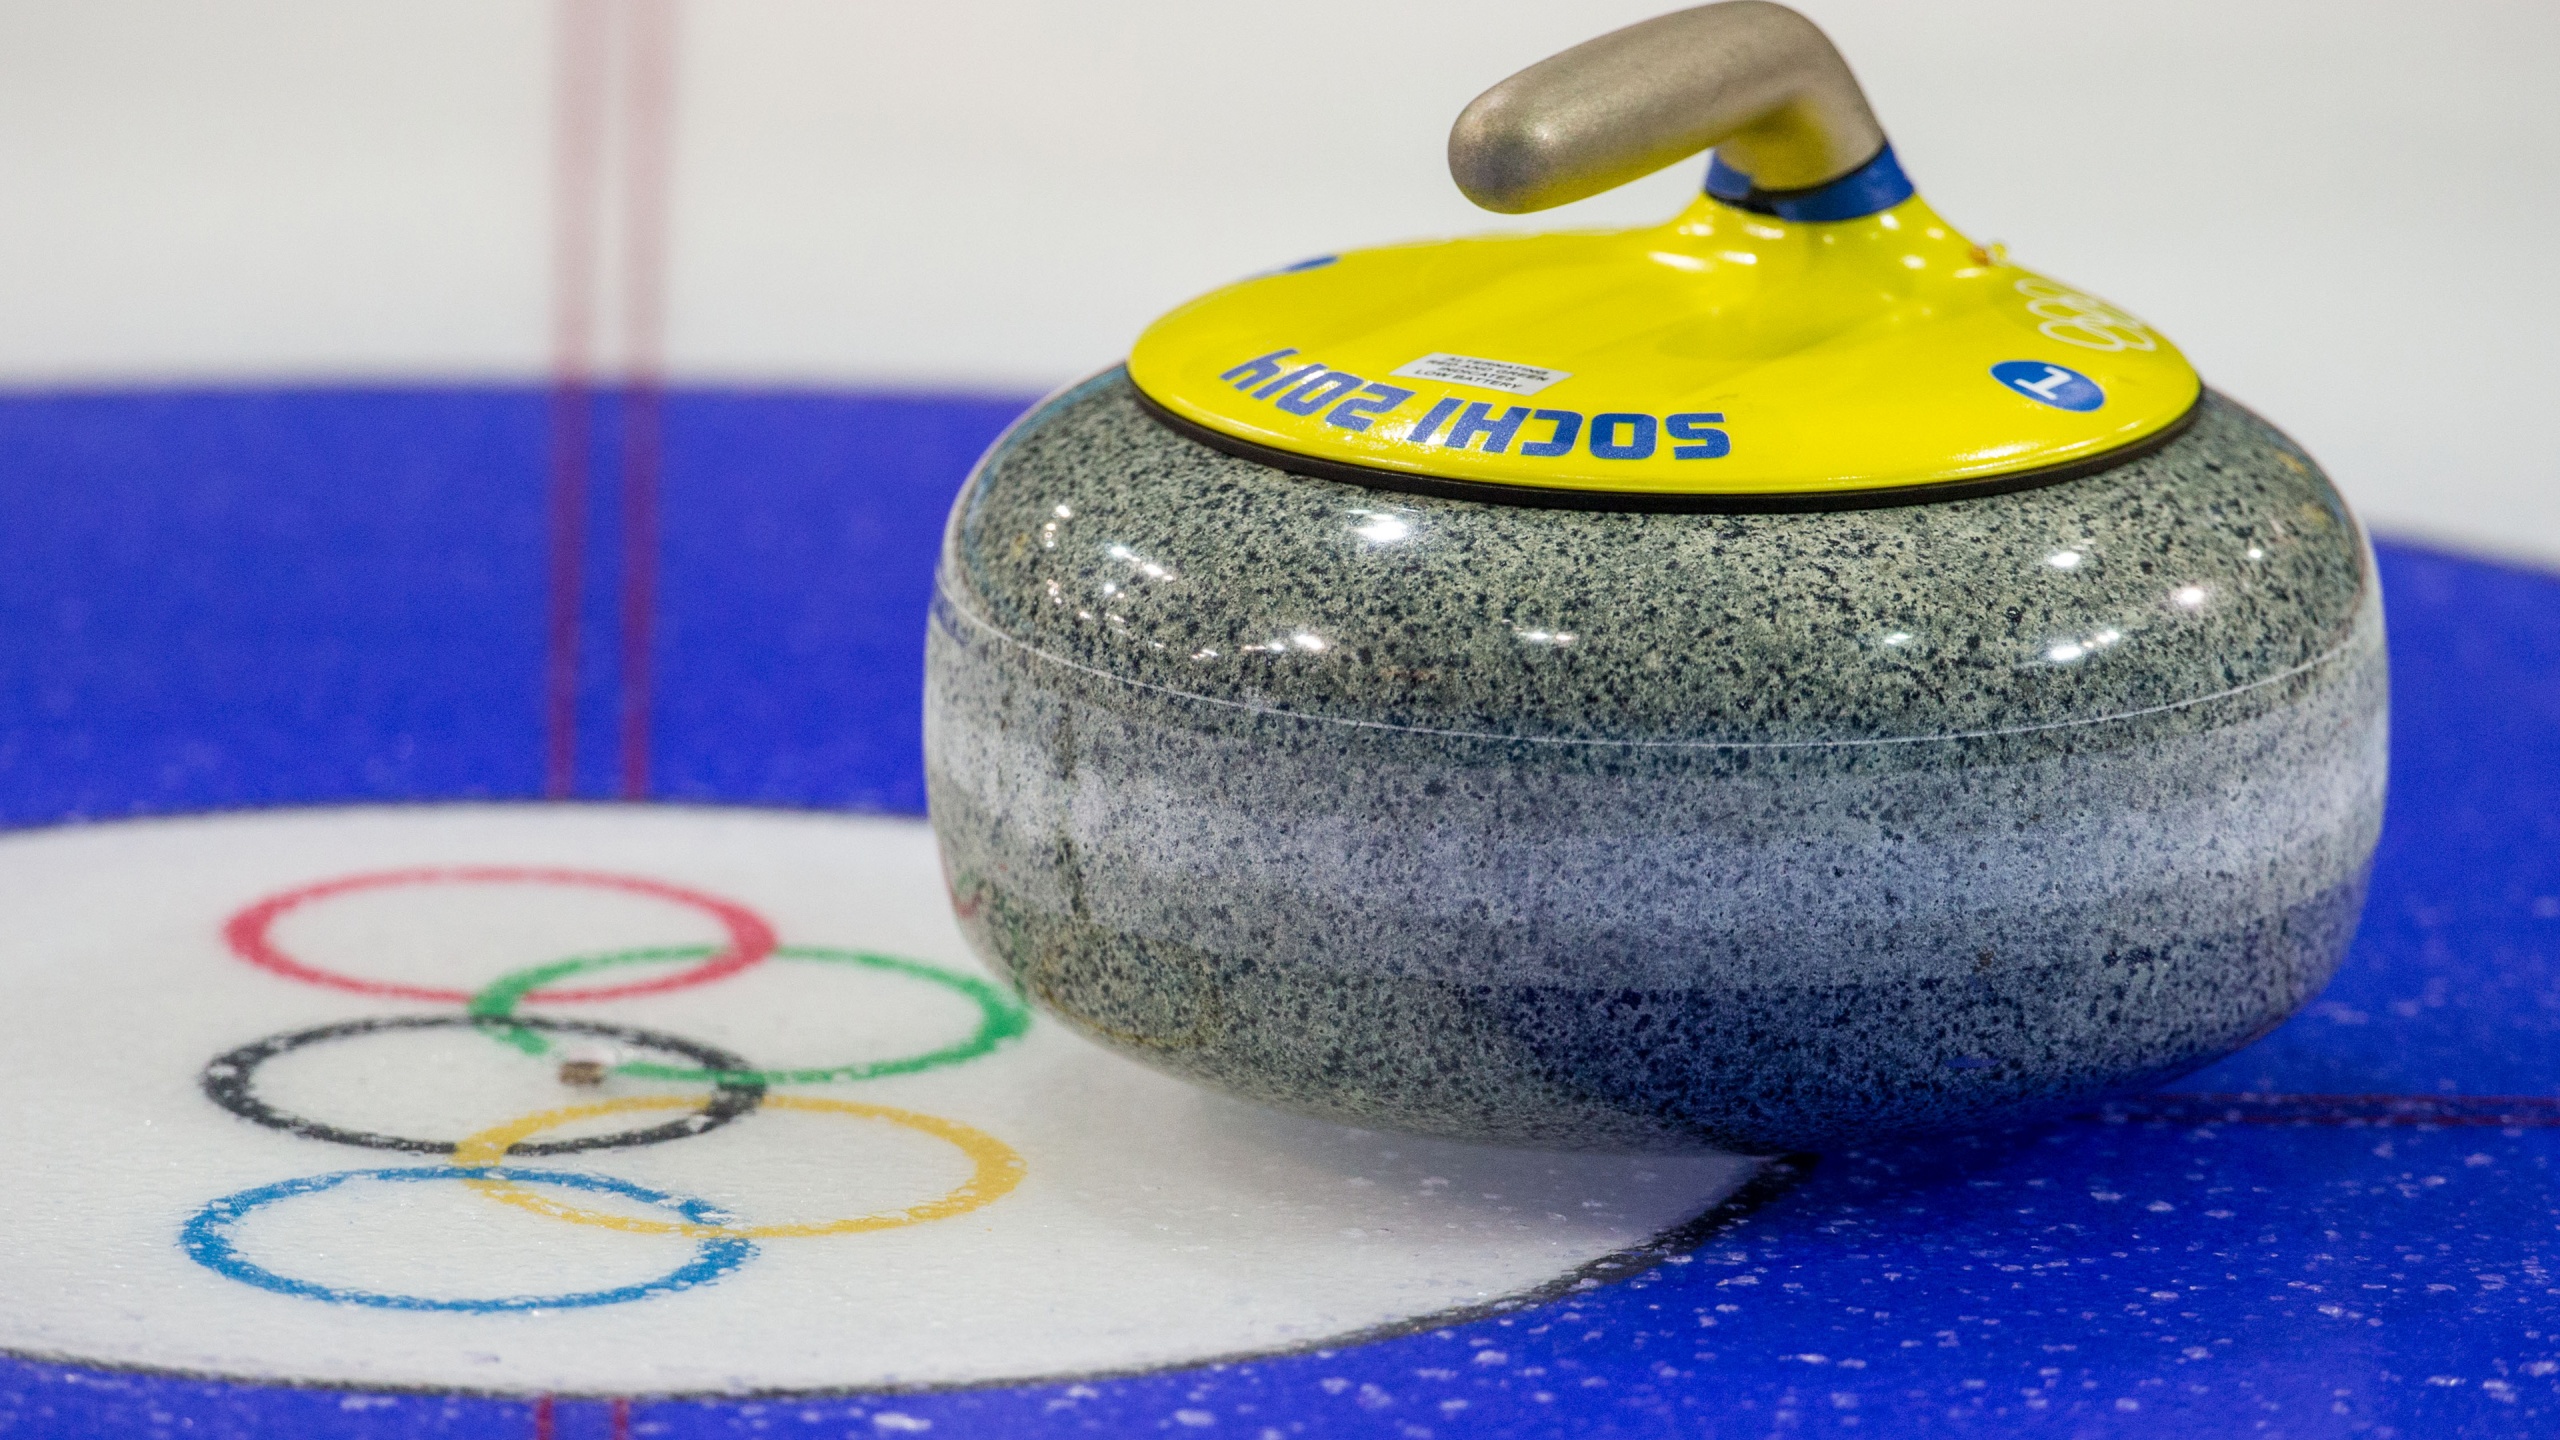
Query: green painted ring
1001	1017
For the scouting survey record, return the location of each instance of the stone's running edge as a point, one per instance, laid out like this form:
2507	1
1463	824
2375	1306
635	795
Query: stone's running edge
1574	829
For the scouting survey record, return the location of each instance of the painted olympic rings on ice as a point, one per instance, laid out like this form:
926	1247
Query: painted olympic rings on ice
230	1081
750	938
738	1089
994	1170
1000	1016
207	1239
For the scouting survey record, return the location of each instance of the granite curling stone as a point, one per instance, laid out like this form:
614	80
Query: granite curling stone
1729	819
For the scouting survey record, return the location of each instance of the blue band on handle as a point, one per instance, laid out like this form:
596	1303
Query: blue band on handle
1877	185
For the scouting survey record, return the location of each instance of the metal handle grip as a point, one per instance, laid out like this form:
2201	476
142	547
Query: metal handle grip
1754	79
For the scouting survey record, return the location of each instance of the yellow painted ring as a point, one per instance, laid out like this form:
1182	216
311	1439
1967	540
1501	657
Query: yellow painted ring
997	1169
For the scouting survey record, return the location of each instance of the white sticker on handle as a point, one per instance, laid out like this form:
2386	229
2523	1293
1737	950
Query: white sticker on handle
1484	374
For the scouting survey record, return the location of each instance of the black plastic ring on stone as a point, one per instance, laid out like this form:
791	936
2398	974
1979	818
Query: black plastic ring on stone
229	1078
1784	502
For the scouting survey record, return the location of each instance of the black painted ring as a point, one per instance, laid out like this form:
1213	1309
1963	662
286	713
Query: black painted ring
1785	502
228	1082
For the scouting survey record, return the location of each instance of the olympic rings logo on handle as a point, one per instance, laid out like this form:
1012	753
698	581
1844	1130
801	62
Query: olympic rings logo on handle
2083	320
723	1242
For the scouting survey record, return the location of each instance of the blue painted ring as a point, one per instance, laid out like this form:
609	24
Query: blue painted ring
207	1240
1876	185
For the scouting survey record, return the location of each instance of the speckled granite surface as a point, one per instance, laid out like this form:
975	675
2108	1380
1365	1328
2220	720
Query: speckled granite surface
1580	828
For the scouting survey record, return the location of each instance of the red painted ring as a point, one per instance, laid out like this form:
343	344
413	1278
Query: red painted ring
751	939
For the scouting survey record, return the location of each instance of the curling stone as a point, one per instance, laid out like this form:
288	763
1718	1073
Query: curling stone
1775	679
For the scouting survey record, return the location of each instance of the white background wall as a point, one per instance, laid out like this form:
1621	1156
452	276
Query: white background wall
2341	209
